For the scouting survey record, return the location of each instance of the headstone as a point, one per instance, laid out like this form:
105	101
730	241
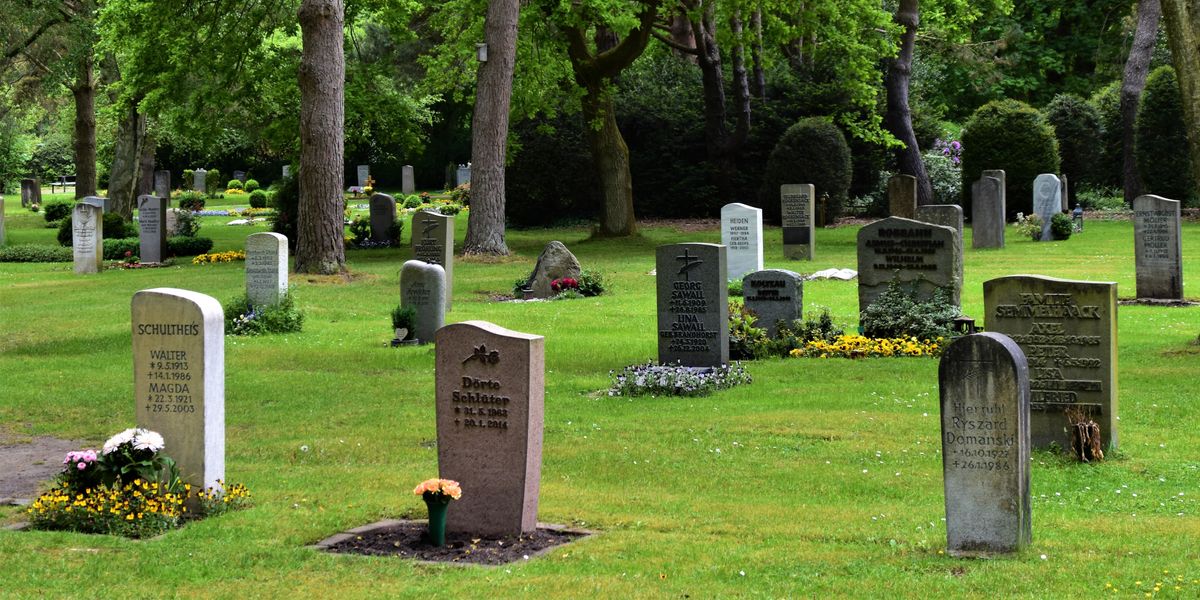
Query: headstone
1065	193
693	310
950	215
287	171
433	242
31	193
423	288
774	295
983	382
555	262
798	220
199	180
489	405
179	378
364	173
162	184
240	176
987	212
463	174
1047	201
266	268
172	222
742	233
87	237
902	196
1158	249
921	256
97	201
152	223
1068	331
408	183
383	217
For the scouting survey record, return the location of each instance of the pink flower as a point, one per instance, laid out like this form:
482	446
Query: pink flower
82	466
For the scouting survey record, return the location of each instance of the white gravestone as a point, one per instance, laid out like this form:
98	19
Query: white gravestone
1047	201
364	173
266	268
423	288
87	237
741	233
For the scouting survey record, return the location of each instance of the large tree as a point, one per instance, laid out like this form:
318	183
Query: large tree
899	118
1182	18
1137	66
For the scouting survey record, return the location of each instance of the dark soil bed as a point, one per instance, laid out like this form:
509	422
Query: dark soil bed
407	540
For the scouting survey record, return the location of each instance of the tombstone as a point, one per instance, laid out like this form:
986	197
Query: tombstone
1068	331
240	176
286	172
152	225
741	234
172	222
162	184
922	256
1158	250
489	406
179	378
97	201
364	173
2	233
383	218
87	237
433	242
693	310
423	288
408	183
987	212
902	196
1047	201
200	180
266	268
774	295
555	262
31	193
798	220
950	215
983	382
462	174
1066	196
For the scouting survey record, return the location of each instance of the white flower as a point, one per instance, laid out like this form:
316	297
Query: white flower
115	441
148	440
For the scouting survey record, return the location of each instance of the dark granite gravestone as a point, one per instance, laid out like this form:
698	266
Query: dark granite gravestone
693	310
407	180
433	242
798	220
1158	248
920	256
902	196
383	218
987	211
774	295
152	225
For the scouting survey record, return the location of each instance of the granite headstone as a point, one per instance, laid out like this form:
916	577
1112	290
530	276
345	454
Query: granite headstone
433	242
162	184
408	182
87	237
774	295
364	173
921	256
1158	248
31	193
200	180
423	288
693	310
152	224
950	215
266	268
902	196
987	212
799	220
383	217
741	233
462	174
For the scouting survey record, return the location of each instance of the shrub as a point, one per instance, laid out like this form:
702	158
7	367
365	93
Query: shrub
450	209
187	223
190	200
360	230
115	249
592	283
235	184
412	201
189	176
35	253
1111	161
461	194
188	246
114	228
675	380
1163	157
404	317
1101	197
814	150
897	314
1077	129
945	176
555	147
56	211
212	179
286	202
735	288
251	185
798	333
258	199
1029	226
1009	135
1061	226
746	342
243	318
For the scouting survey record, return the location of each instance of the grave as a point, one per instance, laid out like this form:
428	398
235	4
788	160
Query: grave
950	215
200	180
423	288
902	196
152	226
1065	196
1158	248
774	295
489	406
31	193
364	173
1047	201
433	242
987	211
462	174
87	237
286	171
693	310
240	176
408	183
162	184
798	220
741	233
97	201
383	218
922	257
555	262
266	268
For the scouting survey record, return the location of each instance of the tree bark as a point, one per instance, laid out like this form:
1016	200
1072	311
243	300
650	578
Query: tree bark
145	181
759	87
84	92
489	130
1182	18
899	118
321	247
1137	66
124	175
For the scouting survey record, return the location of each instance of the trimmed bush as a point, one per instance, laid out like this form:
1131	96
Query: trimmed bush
190	200
412	201
1163	158
56	211
1009	135
244	318
1061	226
234	184
189	176
811	151
1111	161
35	253
896	313
188	246
258	198
212	180
115	249
251	185
944	176
114	228
1077	129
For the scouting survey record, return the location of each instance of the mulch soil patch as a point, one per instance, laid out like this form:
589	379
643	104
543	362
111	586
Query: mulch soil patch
407	540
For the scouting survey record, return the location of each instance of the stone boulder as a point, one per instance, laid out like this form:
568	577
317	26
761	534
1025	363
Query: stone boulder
555	262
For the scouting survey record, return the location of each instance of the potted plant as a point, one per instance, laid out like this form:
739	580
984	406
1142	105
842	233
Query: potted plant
403	321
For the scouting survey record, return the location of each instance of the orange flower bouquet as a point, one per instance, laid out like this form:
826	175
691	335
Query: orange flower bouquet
437	494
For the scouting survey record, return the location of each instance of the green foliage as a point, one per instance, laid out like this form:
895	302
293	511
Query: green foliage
1110	163
35	253
234	184
1013	136
735	287
286	203
461	194
243	318
1163	155
1103	198
1077	128
592	283
412	201
746	342
360	230
675	380
404	317
114	228
189	176
212	182
1029	226
258	198
795	335
190	200
251	185
554	146
56	210
944	176
815	147
449	208
896	313
1061	226
188	246
187	224
115	249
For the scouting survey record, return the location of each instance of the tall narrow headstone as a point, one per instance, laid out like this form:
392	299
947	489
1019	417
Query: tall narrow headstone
1047	201
774	295
489	406
741	233
1158	248
266	268
364	173
922	257
902	196
31	193
423	288
179	378
162	184
463	174
798	220
983	382
987	212
433	242
1068	331
383	217
693	310
87	237
172	222
1065	195
286	171
200	180
408	183
152	225
950	215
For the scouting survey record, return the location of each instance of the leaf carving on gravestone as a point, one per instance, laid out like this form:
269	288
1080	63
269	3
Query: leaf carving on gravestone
481	353
1085	435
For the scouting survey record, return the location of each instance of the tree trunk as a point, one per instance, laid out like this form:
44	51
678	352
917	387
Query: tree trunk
146	165
1137	66
123	176
489	130
681	34
1182	19
610	158
759	86
899	118
84	92
321	247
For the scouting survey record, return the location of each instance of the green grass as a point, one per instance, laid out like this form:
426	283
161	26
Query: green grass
820	479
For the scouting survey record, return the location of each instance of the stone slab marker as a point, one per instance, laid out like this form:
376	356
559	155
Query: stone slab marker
240	176
462	174
799	220
162	184
200	180
179	378
31	192
902	196
490	389
286	171
152	225
433	242
741	233
987	212
383	216
693	308
87	237
1158	249
1068	331
774	295
364	173
408	183
266	268
1047	201
1065	195
950	215
423	288
983	382
914	253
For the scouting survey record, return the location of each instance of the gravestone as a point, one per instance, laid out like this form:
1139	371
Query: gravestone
97	201
555	262
200	180
240	176
693	310
902	196
2	232
433	242
950	215
87	237
383	218
489	406
31	193
462	174
179	378
266	268
152	225
286	172
364	173
987	211
172	222
1065	195
1068	332
774	295
983	382
798	220
162	184
423	288
408	183
741	233
1047	201
1158	249
922	256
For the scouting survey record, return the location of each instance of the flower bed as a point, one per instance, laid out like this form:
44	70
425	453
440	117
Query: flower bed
858	346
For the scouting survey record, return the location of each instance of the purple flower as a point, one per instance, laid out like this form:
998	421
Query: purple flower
956	145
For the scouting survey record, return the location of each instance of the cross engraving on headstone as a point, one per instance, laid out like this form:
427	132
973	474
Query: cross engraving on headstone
689	262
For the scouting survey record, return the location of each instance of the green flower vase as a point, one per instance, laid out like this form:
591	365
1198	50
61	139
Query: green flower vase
437	505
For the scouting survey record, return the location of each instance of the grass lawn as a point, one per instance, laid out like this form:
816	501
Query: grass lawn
822	478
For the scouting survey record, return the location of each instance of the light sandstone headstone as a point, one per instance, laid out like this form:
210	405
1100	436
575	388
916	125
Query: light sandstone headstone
1158	248
799	221
1047	201
162	184
87	237
774	295
987	212
31	193
383	217
1068	332
555	262
490	390
364	173
433	242
200	180
983	383
462	174
741	233
266	268
423	288
408	182
922	257
902	196
693	310
152	225
179	378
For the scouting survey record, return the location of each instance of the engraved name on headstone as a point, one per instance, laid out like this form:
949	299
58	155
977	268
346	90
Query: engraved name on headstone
423	288
741	233
774	295
152	224
917	254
